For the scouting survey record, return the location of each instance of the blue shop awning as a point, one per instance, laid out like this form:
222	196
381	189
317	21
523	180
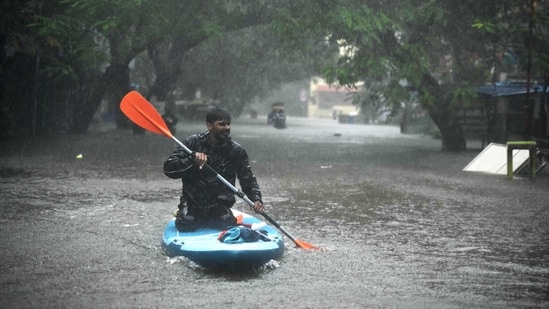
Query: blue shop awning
507	89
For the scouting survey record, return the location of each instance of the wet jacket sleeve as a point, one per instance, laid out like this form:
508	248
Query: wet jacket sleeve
247	179
179	164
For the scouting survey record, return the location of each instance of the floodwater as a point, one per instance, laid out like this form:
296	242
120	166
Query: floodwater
401	224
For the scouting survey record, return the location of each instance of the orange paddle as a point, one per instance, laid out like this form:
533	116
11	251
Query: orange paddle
143	114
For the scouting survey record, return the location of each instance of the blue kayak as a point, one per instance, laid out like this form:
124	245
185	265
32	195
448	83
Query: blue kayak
205	249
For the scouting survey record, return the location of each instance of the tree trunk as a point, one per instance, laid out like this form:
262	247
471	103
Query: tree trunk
113	85
167	62
442	115
450	129
86	102
82	118
118	77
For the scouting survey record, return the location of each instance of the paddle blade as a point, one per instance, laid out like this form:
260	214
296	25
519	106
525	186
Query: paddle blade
143	114
304	245
239	219
299	243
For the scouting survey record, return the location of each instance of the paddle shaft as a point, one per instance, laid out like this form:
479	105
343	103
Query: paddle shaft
211	170
235	190
280	228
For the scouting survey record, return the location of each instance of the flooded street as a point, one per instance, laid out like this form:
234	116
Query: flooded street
403	226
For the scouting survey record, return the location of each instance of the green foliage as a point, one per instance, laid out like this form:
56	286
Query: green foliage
463	95
383	42
58	72
68	47
484	26
408	39
520	27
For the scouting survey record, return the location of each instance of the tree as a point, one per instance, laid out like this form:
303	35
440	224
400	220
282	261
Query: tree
521	30
197	23
406	40
99	38
232	58
244	64
85	47
121	30
21	59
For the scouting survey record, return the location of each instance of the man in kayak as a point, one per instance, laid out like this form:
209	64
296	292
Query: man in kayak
206	201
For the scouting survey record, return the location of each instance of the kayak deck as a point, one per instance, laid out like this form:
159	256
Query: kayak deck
203	247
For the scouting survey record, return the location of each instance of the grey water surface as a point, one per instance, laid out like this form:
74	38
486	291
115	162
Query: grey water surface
401	224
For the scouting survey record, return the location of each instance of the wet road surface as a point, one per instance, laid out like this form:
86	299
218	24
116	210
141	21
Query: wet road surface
403	226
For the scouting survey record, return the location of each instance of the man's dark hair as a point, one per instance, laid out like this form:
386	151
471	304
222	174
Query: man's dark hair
217	113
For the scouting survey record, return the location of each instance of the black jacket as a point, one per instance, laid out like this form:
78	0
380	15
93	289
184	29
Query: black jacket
202	189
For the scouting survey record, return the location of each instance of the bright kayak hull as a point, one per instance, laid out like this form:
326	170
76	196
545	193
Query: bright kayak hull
203	247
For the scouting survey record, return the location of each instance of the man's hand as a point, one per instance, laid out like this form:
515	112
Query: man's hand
201	159
258	207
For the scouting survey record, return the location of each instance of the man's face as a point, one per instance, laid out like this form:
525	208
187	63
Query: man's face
220	130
